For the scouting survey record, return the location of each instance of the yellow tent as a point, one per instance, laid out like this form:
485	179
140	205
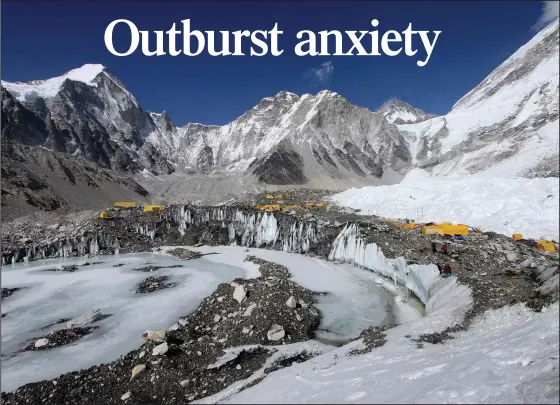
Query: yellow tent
269	196
459	229
268	207
546	245
446	228
125	204
410	226
517	236
431	229
151	208
104	214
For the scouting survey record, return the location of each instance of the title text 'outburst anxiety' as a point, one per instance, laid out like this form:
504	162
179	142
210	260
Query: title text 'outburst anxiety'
226	43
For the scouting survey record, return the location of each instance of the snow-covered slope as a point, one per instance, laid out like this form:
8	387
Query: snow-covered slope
508	355
503	205
48	88
507	125
399	112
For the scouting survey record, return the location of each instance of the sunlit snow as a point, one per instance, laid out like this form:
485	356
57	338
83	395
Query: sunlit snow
509	355
503	205
48	88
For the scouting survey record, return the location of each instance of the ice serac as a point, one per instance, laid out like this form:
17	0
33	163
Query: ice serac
423	280
505	126
249	228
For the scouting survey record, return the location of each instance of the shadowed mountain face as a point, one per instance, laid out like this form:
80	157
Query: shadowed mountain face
36	179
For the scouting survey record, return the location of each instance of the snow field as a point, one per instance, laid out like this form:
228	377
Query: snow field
502	205
50	87
509	355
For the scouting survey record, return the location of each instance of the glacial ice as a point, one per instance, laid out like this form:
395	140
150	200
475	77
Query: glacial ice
423	280
51	296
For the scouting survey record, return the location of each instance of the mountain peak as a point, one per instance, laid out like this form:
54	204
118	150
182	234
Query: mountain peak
85	73
326	93
284	94
29	91
541	50
398	112
392	102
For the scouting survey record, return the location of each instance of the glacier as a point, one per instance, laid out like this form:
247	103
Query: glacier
502	205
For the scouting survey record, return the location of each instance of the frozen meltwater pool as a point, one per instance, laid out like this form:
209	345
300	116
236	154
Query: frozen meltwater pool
354	302
51	296
356	298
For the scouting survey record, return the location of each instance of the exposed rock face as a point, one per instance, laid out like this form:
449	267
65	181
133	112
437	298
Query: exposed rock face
37	179
90	114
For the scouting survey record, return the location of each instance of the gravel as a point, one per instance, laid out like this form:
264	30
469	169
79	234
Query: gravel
185	363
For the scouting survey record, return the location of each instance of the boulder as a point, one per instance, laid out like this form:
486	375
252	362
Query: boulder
138	369
291	302
239	293
512	257
160	350
276	332
157	335
42	342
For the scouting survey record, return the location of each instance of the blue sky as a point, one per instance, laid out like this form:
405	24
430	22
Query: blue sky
42	40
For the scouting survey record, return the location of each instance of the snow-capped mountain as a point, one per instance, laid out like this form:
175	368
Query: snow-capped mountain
86	112
506	126
288	139
400	112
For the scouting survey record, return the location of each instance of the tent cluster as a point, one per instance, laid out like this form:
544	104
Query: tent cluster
444	228
285	201
108	213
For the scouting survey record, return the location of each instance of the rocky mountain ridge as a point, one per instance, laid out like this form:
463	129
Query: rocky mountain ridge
508	125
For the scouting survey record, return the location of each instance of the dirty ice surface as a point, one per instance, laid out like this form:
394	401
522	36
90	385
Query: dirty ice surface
509	355
355	299
51	296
